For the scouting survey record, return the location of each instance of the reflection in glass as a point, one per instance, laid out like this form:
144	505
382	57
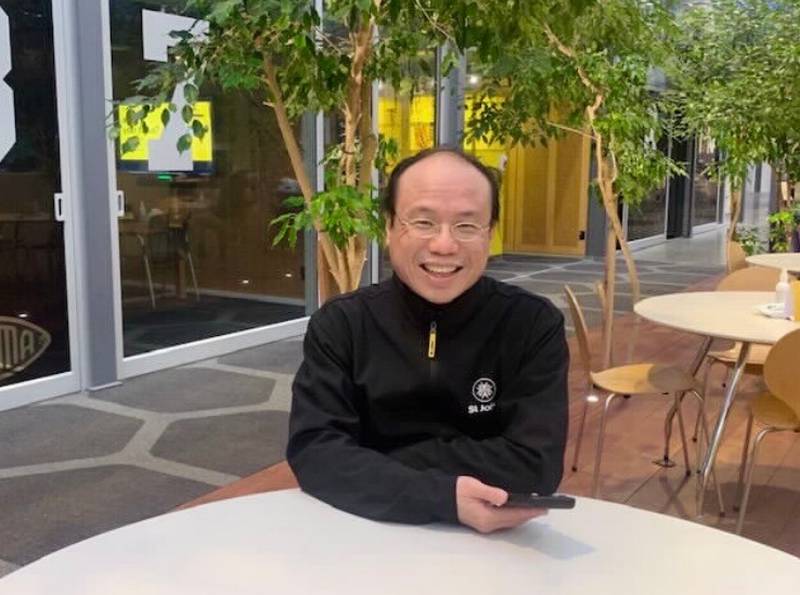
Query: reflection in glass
649	218
706	190
33	294
408	116
196	254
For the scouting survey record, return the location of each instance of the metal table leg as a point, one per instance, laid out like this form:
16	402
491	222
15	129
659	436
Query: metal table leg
719	428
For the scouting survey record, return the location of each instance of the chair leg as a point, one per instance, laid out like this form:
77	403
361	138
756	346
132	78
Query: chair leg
149	279
194	277
748	433
599	454
749	478
710	364
682	429
580	434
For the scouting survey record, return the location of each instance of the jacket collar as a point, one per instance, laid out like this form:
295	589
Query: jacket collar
447	316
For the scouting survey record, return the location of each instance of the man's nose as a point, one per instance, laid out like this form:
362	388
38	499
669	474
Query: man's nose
443	242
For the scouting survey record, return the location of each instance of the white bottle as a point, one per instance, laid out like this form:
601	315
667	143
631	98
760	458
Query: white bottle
782	293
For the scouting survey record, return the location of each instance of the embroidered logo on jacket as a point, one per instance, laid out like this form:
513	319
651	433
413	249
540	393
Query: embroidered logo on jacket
483	391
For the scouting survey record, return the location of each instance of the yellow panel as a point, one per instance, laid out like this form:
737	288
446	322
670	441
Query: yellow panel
568	192
532	206
202	150
490	154
409	122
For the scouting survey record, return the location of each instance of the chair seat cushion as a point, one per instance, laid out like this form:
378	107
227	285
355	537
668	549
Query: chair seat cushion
640	379
771	411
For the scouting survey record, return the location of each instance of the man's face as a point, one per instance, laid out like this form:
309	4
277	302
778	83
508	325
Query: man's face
445	190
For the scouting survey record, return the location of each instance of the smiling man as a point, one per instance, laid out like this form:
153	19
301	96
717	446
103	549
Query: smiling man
433	395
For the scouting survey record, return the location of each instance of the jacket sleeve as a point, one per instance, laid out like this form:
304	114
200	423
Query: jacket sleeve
529	454
324	450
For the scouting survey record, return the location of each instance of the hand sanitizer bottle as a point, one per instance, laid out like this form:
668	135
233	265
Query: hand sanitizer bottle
782	288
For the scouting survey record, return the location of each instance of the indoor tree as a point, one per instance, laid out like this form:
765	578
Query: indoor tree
586	67
736	78
294	61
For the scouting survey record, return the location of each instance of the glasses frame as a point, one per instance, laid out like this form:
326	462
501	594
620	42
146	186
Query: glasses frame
436	229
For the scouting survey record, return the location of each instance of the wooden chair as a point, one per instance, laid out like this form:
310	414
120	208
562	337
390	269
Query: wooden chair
630	380
778	409
735	257
748	279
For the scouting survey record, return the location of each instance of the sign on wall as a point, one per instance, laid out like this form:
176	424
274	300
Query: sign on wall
21	344
158	147
8	135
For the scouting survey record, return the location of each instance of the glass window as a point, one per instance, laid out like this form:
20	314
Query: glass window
196	254
34	334
408	116
649	218
706	190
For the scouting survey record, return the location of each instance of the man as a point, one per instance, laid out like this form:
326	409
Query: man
431	396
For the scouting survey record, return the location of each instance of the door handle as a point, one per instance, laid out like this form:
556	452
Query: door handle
58	206
120	194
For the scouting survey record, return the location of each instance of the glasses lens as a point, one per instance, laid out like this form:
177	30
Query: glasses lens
466	232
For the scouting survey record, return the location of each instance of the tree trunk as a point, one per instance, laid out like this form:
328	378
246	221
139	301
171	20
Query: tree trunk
736	209
610	293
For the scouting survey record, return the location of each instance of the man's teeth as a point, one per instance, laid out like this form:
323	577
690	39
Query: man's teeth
443	270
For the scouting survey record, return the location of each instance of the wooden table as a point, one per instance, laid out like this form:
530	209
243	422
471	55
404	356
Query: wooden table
289	543
786	260
718	315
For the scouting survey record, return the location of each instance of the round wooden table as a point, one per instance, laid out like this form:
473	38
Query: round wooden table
289	543
787	260
718	315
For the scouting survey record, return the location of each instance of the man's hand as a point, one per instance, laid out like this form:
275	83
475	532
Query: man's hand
478	507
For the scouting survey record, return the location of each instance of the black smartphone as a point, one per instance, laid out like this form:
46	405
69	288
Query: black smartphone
521	500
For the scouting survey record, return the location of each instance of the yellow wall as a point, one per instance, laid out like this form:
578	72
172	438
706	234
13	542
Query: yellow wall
490	154
410	123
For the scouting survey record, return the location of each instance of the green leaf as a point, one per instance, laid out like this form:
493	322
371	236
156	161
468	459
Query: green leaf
184	143
198	129
187	113
130	145
190	93
165	117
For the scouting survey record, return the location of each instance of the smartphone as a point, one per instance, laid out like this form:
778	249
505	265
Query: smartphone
522	500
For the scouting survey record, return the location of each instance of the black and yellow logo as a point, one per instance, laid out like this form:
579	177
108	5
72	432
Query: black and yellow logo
21	344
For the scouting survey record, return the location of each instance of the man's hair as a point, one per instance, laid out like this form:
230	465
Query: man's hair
491	174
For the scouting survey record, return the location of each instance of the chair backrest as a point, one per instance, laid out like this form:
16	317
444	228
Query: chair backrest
780	370
750	279
581	332
159	238
735	257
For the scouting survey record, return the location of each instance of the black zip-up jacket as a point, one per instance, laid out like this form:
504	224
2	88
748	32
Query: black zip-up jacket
396	397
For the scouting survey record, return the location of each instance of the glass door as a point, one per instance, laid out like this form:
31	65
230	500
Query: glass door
37	349
196	256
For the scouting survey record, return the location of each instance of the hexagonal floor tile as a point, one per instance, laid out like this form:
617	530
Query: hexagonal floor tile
50	433
189	389
238	444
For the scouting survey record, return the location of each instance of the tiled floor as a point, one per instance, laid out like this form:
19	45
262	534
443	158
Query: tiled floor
78	465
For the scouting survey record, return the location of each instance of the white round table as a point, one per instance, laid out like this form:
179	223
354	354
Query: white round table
786	260
718	315
288	543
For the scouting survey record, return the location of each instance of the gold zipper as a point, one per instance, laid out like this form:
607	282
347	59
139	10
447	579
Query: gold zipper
432	341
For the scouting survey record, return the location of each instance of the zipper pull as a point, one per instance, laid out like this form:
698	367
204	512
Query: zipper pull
432	341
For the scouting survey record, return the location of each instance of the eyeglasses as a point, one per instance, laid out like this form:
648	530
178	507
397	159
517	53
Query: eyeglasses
425	229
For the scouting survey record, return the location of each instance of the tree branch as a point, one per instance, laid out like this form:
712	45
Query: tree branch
570	129
569	53
285	126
